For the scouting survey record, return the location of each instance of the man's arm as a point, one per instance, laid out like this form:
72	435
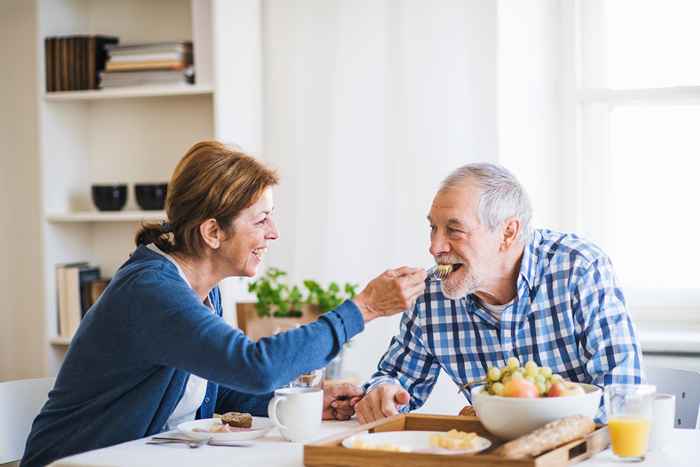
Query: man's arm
608	342
407	362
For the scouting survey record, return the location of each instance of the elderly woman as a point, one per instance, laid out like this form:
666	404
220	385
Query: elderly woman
154	351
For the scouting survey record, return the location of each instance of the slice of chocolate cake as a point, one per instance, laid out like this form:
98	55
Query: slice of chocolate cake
237	419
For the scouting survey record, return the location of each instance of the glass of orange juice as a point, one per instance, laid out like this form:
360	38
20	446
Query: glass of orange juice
629	410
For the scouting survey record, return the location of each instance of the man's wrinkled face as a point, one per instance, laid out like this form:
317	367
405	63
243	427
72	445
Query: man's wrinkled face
458	238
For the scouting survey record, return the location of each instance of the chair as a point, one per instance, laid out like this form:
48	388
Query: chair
685	385
20	403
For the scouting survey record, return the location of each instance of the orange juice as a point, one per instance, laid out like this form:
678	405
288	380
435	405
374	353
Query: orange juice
629	436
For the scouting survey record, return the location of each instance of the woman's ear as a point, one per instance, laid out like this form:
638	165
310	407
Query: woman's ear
211	233
511	230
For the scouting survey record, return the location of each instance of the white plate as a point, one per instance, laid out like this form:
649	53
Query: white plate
414	441
259	428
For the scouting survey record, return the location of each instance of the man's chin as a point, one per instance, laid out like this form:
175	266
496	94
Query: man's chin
456	291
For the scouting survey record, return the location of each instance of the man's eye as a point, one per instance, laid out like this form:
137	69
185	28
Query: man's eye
261	222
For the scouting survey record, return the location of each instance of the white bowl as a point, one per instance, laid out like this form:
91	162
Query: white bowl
512	417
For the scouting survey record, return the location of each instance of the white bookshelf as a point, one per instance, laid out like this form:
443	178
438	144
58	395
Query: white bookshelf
131	91
97	216
137	134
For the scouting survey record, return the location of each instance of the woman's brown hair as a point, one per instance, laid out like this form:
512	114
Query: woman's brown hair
210	182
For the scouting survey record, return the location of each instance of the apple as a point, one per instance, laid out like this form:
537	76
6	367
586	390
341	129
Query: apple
565	388
520	387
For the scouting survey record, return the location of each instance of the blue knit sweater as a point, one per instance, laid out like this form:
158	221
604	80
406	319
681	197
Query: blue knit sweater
128	364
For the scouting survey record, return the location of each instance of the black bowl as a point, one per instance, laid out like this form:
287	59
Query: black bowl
151	196
109	197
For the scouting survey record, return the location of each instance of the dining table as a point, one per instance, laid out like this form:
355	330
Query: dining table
273	450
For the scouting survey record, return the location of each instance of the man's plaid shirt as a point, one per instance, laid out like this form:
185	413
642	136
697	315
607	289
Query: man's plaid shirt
568	314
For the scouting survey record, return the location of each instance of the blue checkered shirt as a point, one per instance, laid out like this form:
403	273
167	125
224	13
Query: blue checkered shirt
568	314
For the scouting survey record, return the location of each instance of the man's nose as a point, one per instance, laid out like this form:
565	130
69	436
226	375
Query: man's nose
439	245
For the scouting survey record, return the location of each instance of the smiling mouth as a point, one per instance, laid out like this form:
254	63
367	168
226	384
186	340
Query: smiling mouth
259	252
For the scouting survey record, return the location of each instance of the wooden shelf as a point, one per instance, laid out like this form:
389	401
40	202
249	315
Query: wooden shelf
60	341
96	216
131	92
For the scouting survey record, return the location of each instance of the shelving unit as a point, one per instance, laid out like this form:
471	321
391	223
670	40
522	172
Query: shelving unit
96	216
137	134
132	91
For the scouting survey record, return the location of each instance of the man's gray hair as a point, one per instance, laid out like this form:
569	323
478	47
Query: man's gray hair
502	195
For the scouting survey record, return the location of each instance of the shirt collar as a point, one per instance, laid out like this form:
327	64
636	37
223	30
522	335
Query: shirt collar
528	264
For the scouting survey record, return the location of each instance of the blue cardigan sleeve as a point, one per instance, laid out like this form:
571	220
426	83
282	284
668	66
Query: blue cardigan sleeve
168	325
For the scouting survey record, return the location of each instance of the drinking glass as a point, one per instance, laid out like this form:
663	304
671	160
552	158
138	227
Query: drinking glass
629	408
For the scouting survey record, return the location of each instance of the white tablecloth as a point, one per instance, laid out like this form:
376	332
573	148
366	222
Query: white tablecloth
273	450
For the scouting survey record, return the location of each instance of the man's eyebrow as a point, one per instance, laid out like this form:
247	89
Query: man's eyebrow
429	218
454	221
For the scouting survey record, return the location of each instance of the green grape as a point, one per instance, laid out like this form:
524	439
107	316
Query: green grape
506	378
541	388
516	375
513	363
540	379
494	374
531	372
530	378
498	388
546	371
530	365
556	379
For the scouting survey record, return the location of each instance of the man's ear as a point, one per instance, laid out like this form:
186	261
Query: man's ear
211	233
511	229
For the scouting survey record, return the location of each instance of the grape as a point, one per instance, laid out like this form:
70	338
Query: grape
540	379
494	374
498	388
530	365
516	375
546	371
513	363
530	378
541	388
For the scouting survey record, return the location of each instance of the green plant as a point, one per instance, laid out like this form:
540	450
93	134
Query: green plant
330	298
276	298
272	293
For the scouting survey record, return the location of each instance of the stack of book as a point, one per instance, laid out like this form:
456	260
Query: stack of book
151	63
78	286
73	62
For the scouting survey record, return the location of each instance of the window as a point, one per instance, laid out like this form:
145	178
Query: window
638	144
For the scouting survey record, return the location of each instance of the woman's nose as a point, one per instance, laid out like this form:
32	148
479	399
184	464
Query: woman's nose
272	233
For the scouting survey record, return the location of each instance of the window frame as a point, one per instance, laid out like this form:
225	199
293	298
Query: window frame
588	106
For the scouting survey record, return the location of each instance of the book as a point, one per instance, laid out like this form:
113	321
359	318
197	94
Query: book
73	286
147	65
62	296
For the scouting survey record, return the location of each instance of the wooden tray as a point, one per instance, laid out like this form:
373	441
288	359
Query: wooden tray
330	452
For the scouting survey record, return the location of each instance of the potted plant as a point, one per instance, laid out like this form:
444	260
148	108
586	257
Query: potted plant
280	306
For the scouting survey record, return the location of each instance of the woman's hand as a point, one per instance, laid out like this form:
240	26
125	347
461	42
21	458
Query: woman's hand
392	292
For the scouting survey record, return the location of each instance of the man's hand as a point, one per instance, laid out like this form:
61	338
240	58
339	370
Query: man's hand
381	402
392	292
339	400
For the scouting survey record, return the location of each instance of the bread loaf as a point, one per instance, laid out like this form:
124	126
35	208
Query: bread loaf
548	437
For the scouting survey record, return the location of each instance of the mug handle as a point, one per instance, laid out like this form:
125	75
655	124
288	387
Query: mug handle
272	411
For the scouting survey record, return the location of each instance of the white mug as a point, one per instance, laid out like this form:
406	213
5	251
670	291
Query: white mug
297	412
663	421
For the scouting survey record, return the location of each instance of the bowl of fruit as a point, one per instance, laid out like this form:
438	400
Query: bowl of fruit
515	400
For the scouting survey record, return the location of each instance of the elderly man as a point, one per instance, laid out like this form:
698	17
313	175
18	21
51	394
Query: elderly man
511	292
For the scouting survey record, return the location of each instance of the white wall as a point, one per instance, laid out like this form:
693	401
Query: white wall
369	104
530	117
22	341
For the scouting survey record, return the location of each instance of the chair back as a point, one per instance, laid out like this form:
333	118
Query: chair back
20	403
684	384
